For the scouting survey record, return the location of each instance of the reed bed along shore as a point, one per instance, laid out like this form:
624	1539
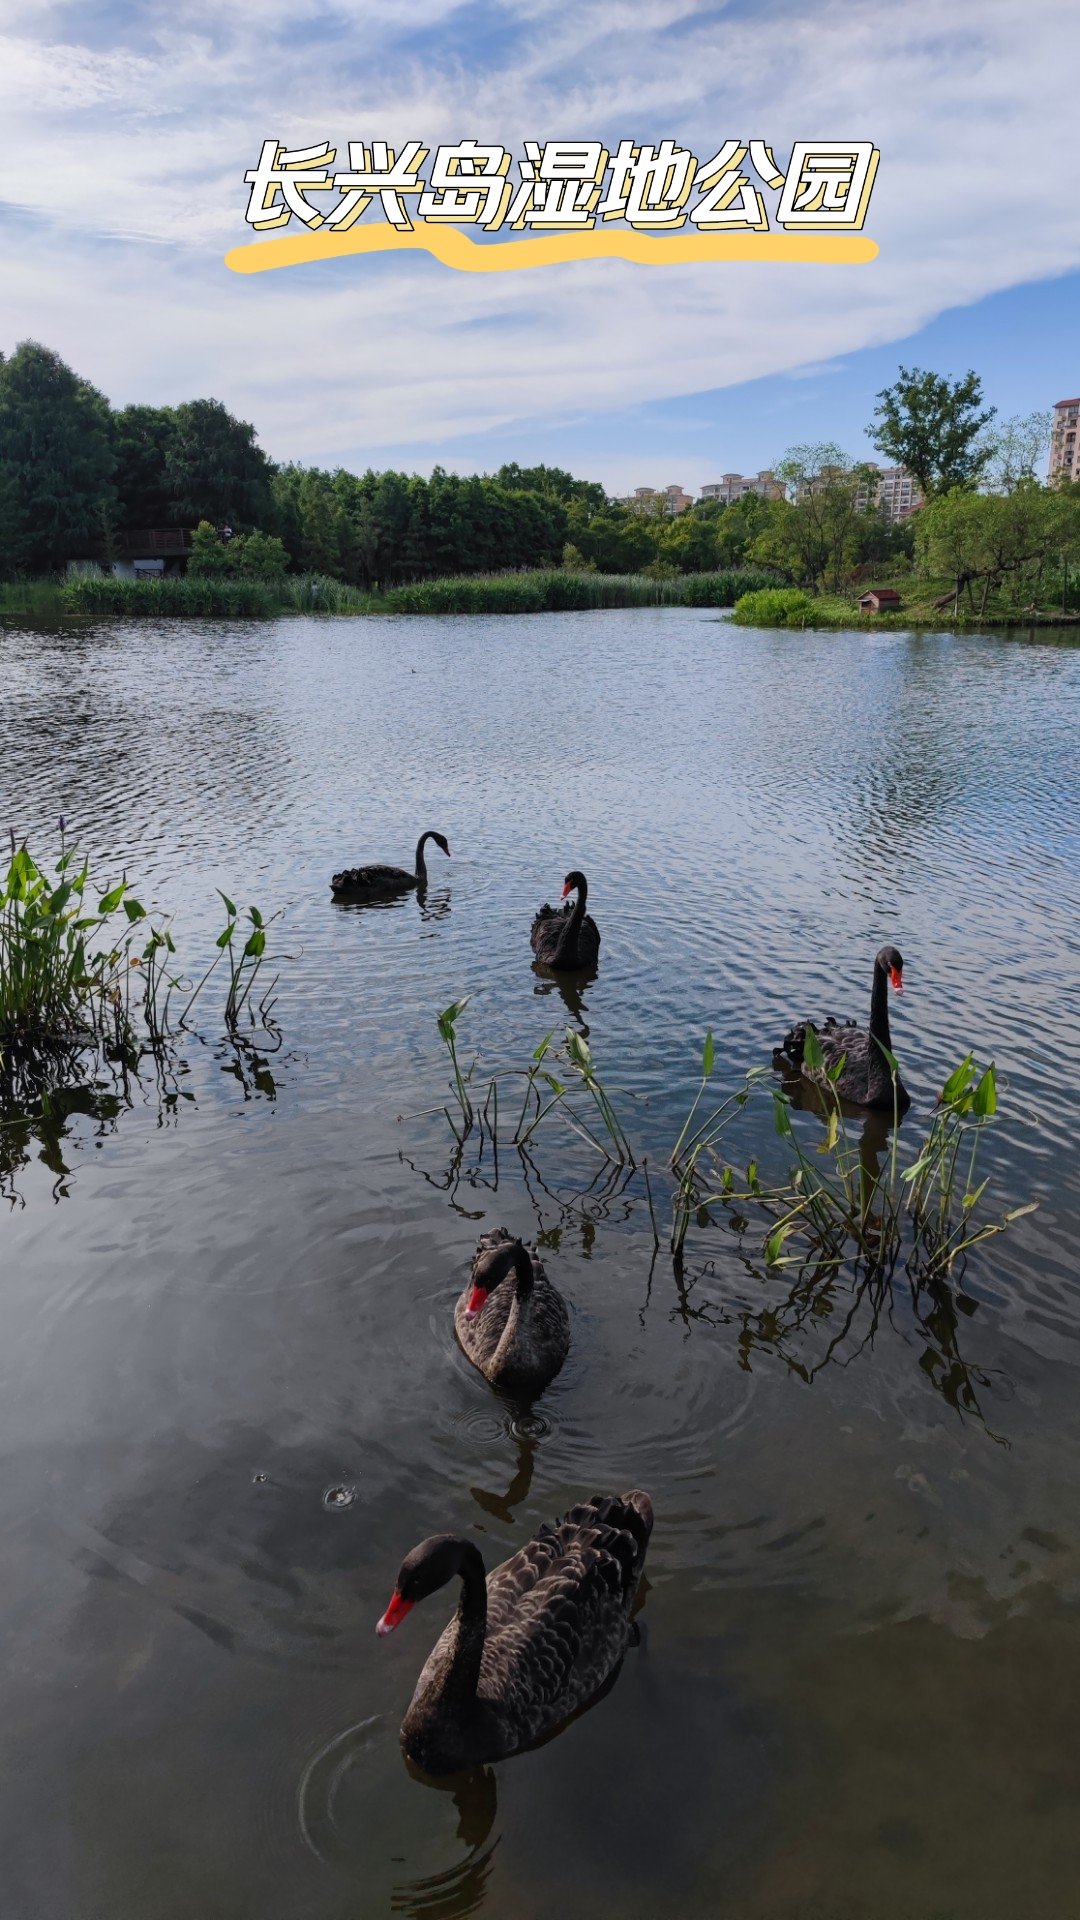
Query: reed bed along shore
554	591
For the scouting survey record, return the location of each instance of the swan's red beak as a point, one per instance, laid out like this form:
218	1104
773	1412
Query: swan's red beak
567	889
394	1615
475	1301
896	979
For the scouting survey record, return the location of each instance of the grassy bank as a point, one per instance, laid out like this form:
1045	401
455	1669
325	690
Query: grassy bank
795	608
555	591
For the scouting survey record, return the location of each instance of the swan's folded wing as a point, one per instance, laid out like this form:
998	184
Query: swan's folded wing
556	1643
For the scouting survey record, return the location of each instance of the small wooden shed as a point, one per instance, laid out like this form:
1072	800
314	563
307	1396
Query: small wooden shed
879	600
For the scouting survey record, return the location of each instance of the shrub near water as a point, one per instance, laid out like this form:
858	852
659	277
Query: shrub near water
775	607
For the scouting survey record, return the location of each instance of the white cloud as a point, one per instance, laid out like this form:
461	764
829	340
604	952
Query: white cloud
125	160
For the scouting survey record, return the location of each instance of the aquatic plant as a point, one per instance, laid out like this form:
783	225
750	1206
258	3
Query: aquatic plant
32	599
318	593
847	1202
840	1205
543	1093
82	965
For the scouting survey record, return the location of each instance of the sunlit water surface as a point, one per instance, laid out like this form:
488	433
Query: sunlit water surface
856	1696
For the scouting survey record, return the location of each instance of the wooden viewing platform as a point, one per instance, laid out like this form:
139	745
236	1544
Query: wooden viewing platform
153	543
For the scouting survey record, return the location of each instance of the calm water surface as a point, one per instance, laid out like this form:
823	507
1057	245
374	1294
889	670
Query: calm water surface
856	1696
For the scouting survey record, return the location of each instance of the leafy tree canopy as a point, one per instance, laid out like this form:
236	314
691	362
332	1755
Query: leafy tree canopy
932	426
56	463
213	468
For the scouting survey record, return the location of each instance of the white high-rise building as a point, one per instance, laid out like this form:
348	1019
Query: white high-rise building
1064	460
733	485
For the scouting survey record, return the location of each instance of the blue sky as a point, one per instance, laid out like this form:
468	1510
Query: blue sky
129	127
1024	344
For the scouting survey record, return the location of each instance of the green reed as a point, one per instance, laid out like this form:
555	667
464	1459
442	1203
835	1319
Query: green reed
171	596
543	1093
557	591
81	964
839	1204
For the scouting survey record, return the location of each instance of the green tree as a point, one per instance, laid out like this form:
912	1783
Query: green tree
740	524
932	426
1003	543
141	438
554	481
1014	449
56	463
816	538
214	470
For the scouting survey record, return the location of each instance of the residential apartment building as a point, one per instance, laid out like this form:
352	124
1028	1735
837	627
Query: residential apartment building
892	488
733	485
671	499
1064	460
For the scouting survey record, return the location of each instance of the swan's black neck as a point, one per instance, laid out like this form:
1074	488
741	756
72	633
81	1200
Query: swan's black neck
879	1007
464	1675
421	865
568	937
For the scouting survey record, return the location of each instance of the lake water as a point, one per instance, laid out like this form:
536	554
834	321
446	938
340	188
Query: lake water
856	1695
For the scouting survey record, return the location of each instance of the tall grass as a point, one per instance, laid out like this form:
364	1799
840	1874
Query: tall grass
189	596
318	593
184	595
32	599
557	592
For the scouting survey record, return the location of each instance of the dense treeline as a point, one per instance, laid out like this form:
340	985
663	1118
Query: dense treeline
76	474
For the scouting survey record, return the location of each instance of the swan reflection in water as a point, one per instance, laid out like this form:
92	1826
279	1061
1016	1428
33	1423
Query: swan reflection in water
571	988
526	1430
433	902
459	1890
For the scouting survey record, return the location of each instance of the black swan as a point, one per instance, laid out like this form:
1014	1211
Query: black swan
865	1078
567	937
510	1321
376	879
530	1642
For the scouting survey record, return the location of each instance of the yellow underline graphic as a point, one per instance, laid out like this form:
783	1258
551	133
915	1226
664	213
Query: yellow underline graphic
456	249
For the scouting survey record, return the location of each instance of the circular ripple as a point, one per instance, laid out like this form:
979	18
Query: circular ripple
422	1846
338	1497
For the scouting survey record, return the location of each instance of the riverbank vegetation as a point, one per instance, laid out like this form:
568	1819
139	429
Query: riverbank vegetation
80	481
198	595
981	559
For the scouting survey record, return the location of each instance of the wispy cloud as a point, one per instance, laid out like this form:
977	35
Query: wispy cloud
129	128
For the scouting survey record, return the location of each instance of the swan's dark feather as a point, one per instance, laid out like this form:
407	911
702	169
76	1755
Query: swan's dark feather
864	1078
523	1356
558	1624
374	879
548	928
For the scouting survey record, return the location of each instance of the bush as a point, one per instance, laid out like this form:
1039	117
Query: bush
775	607
247	556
